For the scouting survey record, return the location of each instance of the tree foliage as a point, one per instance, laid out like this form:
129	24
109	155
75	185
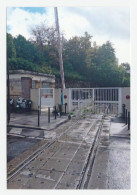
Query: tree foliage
82	59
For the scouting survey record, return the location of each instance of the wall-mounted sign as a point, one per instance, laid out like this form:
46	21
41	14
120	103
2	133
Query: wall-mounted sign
127	97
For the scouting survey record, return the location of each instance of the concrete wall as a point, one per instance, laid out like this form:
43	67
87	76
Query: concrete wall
15	88
125	93
35	95
58	98
72	83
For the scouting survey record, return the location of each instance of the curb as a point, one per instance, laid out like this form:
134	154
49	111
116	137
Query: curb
38	128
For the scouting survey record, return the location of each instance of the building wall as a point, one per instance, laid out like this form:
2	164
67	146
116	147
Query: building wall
22	81
15	88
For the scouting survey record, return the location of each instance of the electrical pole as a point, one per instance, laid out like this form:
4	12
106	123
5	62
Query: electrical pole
8	92
59	49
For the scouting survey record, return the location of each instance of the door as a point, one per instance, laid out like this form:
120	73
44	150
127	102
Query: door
26	84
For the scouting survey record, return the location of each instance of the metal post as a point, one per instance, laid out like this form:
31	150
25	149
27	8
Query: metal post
126	117
38	117
59	49
55	112
60	110
123	106
128	120
65	108
119	100
8	94
48	114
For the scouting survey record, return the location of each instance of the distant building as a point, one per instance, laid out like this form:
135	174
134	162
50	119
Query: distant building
21	82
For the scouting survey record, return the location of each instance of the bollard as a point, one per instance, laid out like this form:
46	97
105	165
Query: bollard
60	110
126	117
65	107
38	118
123	108
48	114
128	120
55	112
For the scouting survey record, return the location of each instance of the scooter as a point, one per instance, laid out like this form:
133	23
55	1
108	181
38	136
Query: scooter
23	105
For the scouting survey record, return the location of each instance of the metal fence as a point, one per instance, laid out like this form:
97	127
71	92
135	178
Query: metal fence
99	98
80	97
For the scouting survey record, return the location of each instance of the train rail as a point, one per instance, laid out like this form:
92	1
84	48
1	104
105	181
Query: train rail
89	160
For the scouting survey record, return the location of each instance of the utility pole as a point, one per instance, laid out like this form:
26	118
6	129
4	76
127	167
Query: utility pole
59	49
8	93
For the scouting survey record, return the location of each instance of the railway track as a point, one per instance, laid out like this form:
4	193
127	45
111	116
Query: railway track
63	138
31	157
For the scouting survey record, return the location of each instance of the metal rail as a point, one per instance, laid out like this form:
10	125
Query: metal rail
89	162
35	154
87	170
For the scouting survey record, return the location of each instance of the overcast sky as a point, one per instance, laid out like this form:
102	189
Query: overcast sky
103	23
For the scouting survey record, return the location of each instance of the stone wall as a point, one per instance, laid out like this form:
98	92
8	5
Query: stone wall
71	83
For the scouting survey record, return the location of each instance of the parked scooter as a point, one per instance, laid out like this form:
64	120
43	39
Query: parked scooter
11	104
23	105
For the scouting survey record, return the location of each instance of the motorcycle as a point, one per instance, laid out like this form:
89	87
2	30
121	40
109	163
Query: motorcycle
23	105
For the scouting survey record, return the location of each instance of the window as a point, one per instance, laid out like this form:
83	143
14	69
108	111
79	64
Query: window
33	84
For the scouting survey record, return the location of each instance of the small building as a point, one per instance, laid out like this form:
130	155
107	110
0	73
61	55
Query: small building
22	81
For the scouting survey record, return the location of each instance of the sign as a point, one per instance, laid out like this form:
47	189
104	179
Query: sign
127	97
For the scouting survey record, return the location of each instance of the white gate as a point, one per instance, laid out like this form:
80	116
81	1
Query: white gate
100	98
108	97
46	98
80	97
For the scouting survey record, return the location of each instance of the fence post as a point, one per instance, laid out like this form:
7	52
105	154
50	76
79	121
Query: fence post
38	117
48	114
60	110
65	107
120	101
126	117
55	112
128	120
123	106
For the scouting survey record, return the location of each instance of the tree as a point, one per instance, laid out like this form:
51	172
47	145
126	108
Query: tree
82	61
28	51
11	51
43	35
126	66
77	50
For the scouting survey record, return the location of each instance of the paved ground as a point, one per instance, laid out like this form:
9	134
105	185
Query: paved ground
61	165
119	156
111	169
30	119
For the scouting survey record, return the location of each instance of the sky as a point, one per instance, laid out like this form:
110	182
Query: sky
103	23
